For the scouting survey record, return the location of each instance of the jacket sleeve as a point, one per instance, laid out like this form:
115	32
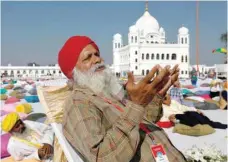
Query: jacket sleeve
84	129
154	111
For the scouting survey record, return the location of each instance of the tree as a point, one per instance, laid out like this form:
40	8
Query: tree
51	65
223	38
31	64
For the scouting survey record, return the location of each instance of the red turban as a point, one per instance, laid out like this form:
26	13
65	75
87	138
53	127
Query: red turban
69	54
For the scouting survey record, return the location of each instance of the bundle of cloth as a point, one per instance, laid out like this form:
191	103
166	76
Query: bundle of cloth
3	91
186	120
25	108
192	118
9	86
18	93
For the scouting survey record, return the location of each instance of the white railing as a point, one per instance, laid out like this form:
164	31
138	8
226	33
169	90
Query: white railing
34	77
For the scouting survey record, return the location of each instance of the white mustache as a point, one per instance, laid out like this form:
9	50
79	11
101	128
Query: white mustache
97	66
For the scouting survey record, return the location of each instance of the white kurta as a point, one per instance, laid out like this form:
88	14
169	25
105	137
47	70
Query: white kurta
35	132
174	108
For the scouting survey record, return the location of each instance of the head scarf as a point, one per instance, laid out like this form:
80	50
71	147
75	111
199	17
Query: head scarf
9	121
70	52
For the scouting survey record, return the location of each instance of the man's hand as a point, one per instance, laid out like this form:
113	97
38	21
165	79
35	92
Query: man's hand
143	92
46	151
41	153
168	81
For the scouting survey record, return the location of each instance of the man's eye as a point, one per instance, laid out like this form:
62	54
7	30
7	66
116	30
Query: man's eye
88	57
97	54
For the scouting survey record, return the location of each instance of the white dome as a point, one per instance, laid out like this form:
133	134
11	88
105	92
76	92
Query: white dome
147	23
132	29
117	36
161	30
183	30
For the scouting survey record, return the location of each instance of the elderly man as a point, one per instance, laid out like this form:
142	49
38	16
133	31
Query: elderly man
100	122
29	140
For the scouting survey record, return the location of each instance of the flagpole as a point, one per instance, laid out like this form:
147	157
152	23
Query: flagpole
197	36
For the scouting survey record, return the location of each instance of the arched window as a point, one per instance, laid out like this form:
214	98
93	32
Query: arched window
11	72
157	57
24	72
186	58
136	67
174	56
152	56
135	39
163	56
136	60
18	72
142	56
156	42
60	72
182	40
136	52
147	72
182	58
186	72
182	72
118	45
151	42
132	39
42	72
147	56
186	40
142	72
167	56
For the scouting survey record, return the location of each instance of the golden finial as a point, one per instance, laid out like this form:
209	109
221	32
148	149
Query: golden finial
146	9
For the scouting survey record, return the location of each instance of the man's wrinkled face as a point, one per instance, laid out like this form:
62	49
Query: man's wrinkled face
89	57
19	127
91	72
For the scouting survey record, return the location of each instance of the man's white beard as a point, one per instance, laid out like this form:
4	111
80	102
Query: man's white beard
102	83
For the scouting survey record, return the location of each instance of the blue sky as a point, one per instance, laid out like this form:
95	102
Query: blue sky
35	31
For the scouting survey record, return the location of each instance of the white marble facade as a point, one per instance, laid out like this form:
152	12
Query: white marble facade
31	71
147	46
